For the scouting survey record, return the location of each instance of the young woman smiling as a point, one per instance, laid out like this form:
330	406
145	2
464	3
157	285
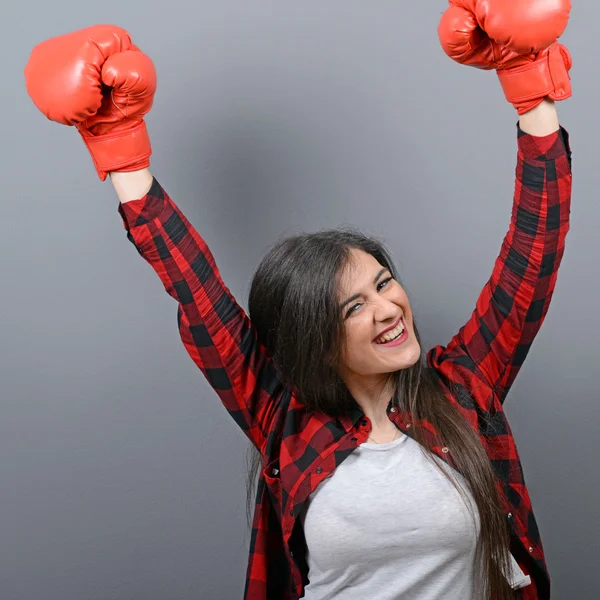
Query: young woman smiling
383	472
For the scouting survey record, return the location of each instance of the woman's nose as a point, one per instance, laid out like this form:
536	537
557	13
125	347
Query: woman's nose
386	310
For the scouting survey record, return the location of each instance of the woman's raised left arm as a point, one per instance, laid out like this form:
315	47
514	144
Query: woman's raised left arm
513	304
519	42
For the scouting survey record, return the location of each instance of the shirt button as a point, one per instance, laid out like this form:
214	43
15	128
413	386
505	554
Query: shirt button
319	470
530	549
445	450
509	515
393	409
275	472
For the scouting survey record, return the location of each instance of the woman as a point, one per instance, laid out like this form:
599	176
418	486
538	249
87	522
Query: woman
384	473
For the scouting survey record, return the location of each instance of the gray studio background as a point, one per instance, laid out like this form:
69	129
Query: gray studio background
121	475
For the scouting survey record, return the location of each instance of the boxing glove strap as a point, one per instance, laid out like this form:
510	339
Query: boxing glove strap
119	151
546	77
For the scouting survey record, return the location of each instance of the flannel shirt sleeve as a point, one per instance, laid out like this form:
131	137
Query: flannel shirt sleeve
215	331
513	304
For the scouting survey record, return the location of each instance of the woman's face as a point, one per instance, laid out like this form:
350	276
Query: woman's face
372	303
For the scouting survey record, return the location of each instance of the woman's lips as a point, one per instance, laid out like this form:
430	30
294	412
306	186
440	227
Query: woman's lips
398	340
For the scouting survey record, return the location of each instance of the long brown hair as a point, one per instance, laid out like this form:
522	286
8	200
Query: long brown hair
293	304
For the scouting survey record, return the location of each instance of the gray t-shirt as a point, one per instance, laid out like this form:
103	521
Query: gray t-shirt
387	525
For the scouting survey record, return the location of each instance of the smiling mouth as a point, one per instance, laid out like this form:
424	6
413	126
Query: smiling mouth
394	334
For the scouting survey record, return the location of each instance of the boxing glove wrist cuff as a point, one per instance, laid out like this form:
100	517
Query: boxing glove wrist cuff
525	87
126	150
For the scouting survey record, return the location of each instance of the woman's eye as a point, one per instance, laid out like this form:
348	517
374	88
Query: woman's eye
379	286
385	281
354	308
351	310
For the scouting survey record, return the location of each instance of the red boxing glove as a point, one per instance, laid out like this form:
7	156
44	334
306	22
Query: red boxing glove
97	80
517	38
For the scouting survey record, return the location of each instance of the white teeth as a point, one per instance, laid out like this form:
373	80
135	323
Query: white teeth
390	335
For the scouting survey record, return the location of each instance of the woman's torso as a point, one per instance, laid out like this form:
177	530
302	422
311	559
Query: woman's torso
388	524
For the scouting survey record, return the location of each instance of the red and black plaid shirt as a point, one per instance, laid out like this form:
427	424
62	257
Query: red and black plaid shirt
301	447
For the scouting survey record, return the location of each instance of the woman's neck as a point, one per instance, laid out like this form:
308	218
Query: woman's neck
373	397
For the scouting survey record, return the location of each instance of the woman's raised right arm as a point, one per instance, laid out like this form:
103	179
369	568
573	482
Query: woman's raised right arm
214	329
97	80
